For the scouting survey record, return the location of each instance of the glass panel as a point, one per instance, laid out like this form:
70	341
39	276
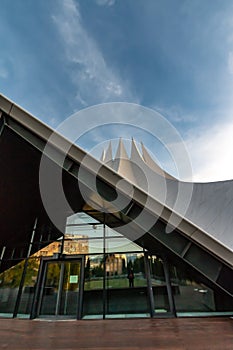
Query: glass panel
50	249
126	286
159	286
61	288
28	288
121	244
189	294
109	232
74	245
84	231
50	289
9	286
93	287
80	218
70	288
84	239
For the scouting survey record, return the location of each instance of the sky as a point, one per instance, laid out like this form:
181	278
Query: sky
172	56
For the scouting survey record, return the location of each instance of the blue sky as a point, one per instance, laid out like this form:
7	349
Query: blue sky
174	56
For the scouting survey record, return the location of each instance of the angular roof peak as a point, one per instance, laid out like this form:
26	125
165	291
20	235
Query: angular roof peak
152	164
121	151
108	154
102	158
135	153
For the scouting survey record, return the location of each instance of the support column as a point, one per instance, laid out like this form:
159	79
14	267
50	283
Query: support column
169	287
2	254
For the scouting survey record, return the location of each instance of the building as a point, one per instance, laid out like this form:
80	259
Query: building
92	241
73	244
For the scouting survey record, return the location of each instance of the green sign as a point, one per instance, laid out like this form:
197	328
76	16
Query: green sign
73	278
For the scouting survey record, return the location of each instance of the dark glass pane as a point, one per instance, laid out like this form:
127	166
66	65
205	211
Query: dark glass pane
190	295
70	288
93	287
126	285
29	287
50	289
9	286
159	286
61	288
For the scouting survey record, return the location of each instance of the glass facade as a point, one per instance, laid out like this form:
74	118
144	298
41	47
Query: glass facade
93	305
159	286
126	295
192	297
28	286
9	288
94	272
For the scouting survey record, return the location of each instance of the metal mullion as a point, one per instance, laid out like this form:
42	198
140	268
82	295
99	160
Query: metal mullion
81	288
149	285
104	277
44	272
2	254
36	304
61	279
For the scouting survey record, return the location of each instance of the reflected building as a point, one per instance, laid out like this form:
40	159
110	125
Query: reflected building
115	264
73	244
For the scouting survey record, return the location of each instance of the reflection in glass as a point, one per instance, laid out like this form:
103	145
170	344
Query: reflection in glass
123	297
70	288
93	287
121	244
50	249
61	287
81	218
190	295
9	286
29	286
50	289
159	285
107	290
83	238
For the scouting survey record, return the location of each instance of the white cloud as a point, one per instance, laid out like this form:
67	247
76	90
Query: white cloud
209	146
211	153
95	80
105	2
176	114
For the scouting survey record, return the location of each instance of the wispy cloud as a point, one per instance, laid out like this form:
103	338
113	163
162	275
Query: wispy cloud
176	114
105	2
95	81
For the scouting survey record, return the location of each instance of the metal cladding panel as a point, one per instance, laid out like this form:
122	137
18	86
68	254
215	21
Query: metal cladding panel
5	104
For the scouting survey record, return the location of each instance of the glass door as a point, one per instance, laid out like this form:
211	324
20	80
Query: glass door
60	288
